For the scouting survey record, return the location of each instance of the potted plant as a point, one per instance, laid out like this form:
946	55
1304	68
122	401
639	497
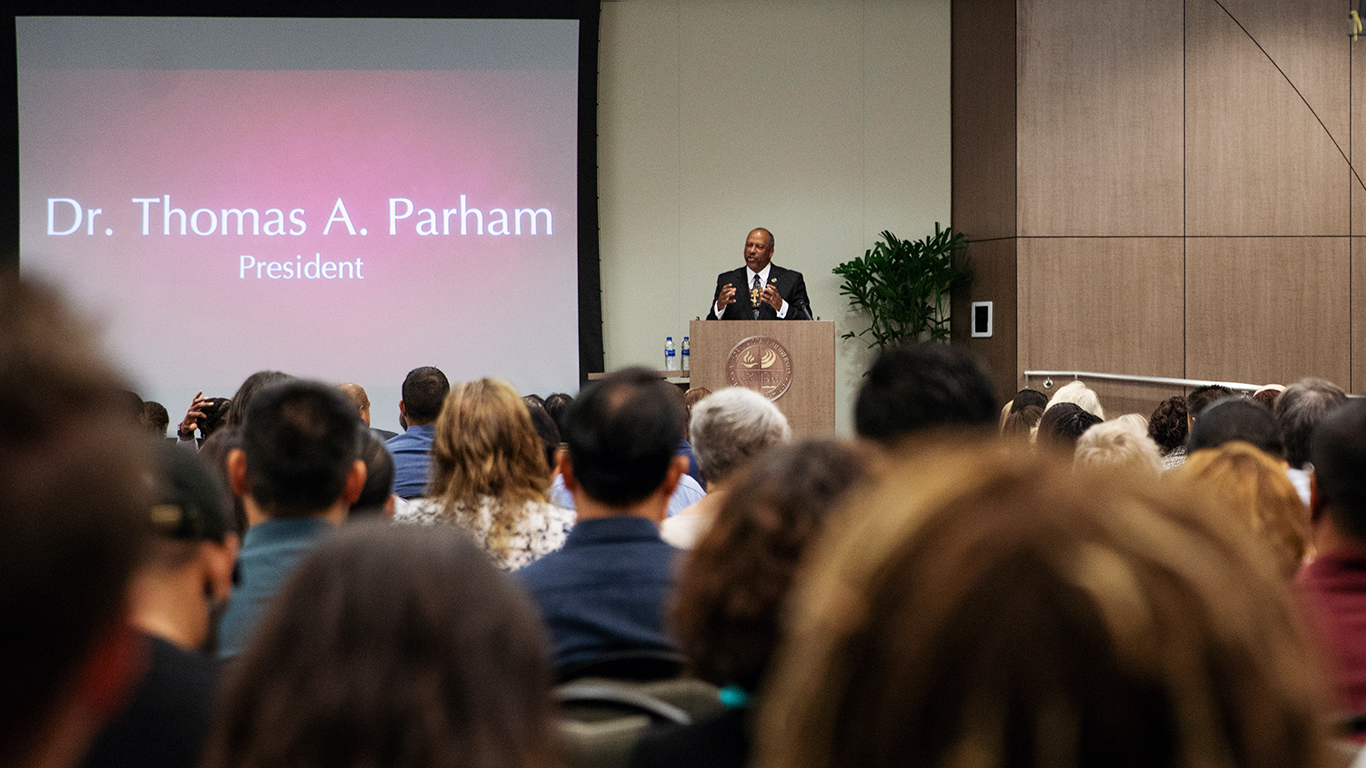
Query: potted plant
903	286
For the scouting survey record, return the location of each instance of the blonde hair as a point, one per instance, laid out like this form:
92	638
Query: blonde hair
1254	489
985	607
485	446
1080	394
1123	442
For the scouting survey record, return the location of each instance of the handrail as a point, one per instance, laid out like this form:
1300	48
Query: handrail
1140	379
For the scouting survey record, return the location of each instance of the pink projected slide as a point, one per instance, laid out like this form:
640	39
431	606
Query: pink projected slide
344	225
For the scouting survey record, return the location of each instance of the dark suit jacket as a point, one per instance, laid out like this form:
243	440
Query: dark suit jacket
790	286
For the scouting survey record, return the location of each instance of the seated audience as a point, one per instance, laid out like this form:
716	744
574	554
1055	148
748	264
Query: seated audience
1025	398
361	400
1169	427
377	497
390	646
1235	419
1200	398
1300	408
489	476
547	431
910	389
1021	424
1119	444
557	405
214	455
155	418
1334	585
1077	393
187	573
297	474
1256	491
734	586
606	589
424	390
992	608
1268	395
729	430
1062	424
245	394
73	515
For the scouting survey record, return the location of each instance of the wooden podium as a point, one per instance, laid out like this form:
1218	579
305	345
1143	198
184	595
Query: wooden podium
792	362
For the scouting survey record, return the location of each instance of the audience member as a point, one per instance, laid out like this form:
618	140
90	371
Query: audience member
1078	393
1062	424
605	591
993	608
685	447
247	392
910	389
1256	491
73	512
377	495
490	477
155	418
1169	428
424	390
1200	398
730	428
533	399
214	455
186	574
1119	444
547	432
735	583
1022	423
1027	397
1300	408
1334	584
1235	419
297	474
356	393
390	646
1268	395
205	416
557	405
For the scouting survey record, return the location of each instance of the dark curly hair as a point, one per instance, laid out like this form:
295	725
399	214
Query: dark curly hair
738	575
1167	426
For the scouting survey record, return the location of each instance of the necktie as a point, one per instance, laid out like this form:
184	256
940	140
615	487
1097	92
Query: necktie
754	290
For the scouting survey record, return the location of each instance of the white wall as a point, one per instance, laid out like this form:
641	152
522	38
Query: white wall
826	121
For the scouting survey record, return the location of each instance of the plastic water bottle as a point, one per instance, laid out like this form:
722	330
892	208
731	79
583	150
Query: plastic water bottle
686	355
670	358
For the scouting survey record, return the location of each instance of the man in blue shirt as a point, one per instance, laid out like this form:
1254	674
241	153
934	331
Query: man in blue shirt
424	392
297	473
606	590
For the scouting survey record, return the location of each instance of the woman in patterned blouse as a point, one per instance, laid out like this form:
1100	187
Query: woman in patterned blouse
489	476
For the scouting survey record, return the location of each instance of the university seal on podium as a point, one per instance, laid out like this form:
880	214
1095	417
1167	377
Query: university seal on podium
761	364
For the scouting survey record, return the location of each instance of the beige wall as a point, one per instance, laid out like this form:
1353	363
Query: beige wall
825	121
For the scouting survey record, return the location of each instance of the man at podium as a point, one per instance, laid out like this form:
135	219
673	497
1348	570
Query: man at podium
760	290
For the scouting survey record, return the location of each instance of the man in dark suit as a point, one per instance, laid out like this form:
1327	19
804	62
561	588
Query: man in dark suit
760	290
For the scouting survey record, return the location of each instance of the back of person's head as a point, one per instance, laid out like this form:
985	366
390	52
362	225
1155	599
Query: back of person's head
486	445
1021	423
393	646
73	527
1168	426
909	389
241	402
1254	489
1078	393
547	432
1338	453
557	404
623	433
424	391
1062	424
301	449
379	477
1300	408
1202	397
359	398
736	579
1268	395
1027	397
1118	444
214	454
216	415
155	418
996	608
731	427
1236	419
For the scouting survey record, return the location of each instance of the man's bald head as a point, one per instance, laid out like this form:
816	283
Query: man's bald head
356	394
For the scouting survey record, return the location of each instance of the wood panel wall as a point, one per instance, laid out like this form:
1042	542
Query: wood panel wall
1184	198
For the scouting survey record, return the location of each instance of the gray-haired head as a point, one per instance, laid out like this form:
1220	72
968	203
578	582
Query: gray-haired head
733	425
1299	409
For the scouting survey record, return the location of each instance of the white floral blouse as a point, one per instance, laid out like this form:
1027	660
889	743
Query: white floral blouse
539	530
